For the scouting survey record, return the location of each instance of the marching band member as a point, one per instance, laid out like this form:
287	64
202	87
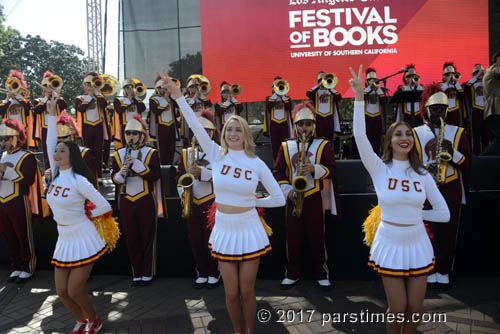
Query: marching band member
202	196
136	173
79	244
127	106
238	238
278	118
448	174
197	101
92	116
18	168
326	106
456	113
411	82
17	106
228	106
313	159
375	99
401	251
163	123
492	109
41	110
475	105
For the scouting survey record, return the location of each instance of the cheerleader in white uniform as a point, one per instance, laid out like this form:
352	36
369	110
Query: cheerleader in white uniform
401	251
79	245
238	239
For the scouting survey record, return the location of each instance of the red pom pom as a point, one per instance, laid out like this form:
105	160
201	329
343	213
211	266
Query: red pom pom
14	124
213	209
47	74
89	206
429	90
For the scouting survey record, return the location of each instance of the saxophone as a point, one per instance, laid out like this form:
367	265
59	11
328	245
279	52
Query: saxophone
186	181
442	158
299	182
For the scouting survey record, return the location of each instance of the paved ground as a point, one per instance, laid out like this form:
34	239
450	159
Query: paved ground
173	306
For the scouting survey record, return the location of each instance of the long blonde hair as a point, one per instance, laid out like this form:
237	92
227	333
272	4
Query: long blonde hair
248	143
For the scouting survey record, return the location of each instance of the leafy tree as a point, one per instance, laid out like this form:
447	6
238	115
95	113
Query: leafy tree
187	65
32	55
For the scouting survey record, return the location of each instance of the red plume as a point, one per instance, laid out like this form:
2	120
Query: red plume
277	78
47	74
140	120
14	124
411	65
429	90
302	105
223	83
19	75
67	120
158	78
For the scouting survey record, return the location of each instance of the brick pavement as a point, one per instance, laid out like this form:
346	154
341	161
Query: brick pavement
172	306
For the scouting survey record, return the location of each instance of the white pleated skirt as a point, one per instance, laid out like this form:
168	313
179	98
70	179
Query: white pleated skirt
78	245
401	251
238	237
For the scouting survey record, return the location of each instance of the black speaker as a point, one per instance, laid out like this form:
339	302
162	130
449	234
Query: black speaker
352	177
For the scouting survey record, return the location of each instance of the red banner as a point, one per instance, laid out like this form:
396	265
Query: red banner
252	41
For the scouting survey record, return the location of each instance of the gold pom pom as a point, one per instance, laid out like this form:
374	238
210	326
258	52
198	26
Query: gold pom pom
370	225
269	230
108	229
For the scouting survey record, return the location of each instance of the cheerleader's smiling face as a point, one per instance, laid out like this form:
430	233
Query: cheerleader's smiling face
402	142
61	156
234	135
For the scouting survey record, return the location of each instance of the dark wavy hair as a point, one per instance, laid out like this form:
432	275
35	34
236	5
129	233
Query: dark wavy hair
77	163
413	157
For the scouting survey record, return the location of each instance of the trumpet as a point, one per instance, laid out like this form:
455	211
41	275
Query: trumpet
281	87
299	182
235	89
453	78
204	84
375	84
186	181
329	80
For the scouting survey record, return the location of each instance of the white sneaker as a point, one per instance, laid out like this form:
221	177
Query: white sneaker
287	283
432	278
324	283
443	279
24	274
146	278
15	273
213	280
201	280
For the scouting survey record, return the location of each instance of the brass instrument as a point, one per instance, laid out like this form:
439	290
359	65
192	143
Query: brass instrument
110	88
140	88
204	84
55	82
97	82
176	81
375	84
329	80
186	181
442	158
281	87
13	85
235	89
415	79
299	182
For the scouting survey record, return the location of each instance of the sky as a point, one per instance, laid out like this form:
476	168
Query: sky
63	21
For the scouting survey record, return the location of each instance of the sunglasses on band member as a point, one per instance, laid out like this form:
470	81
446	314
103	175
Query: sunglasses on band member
63	138
132	133
304	123
6	138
